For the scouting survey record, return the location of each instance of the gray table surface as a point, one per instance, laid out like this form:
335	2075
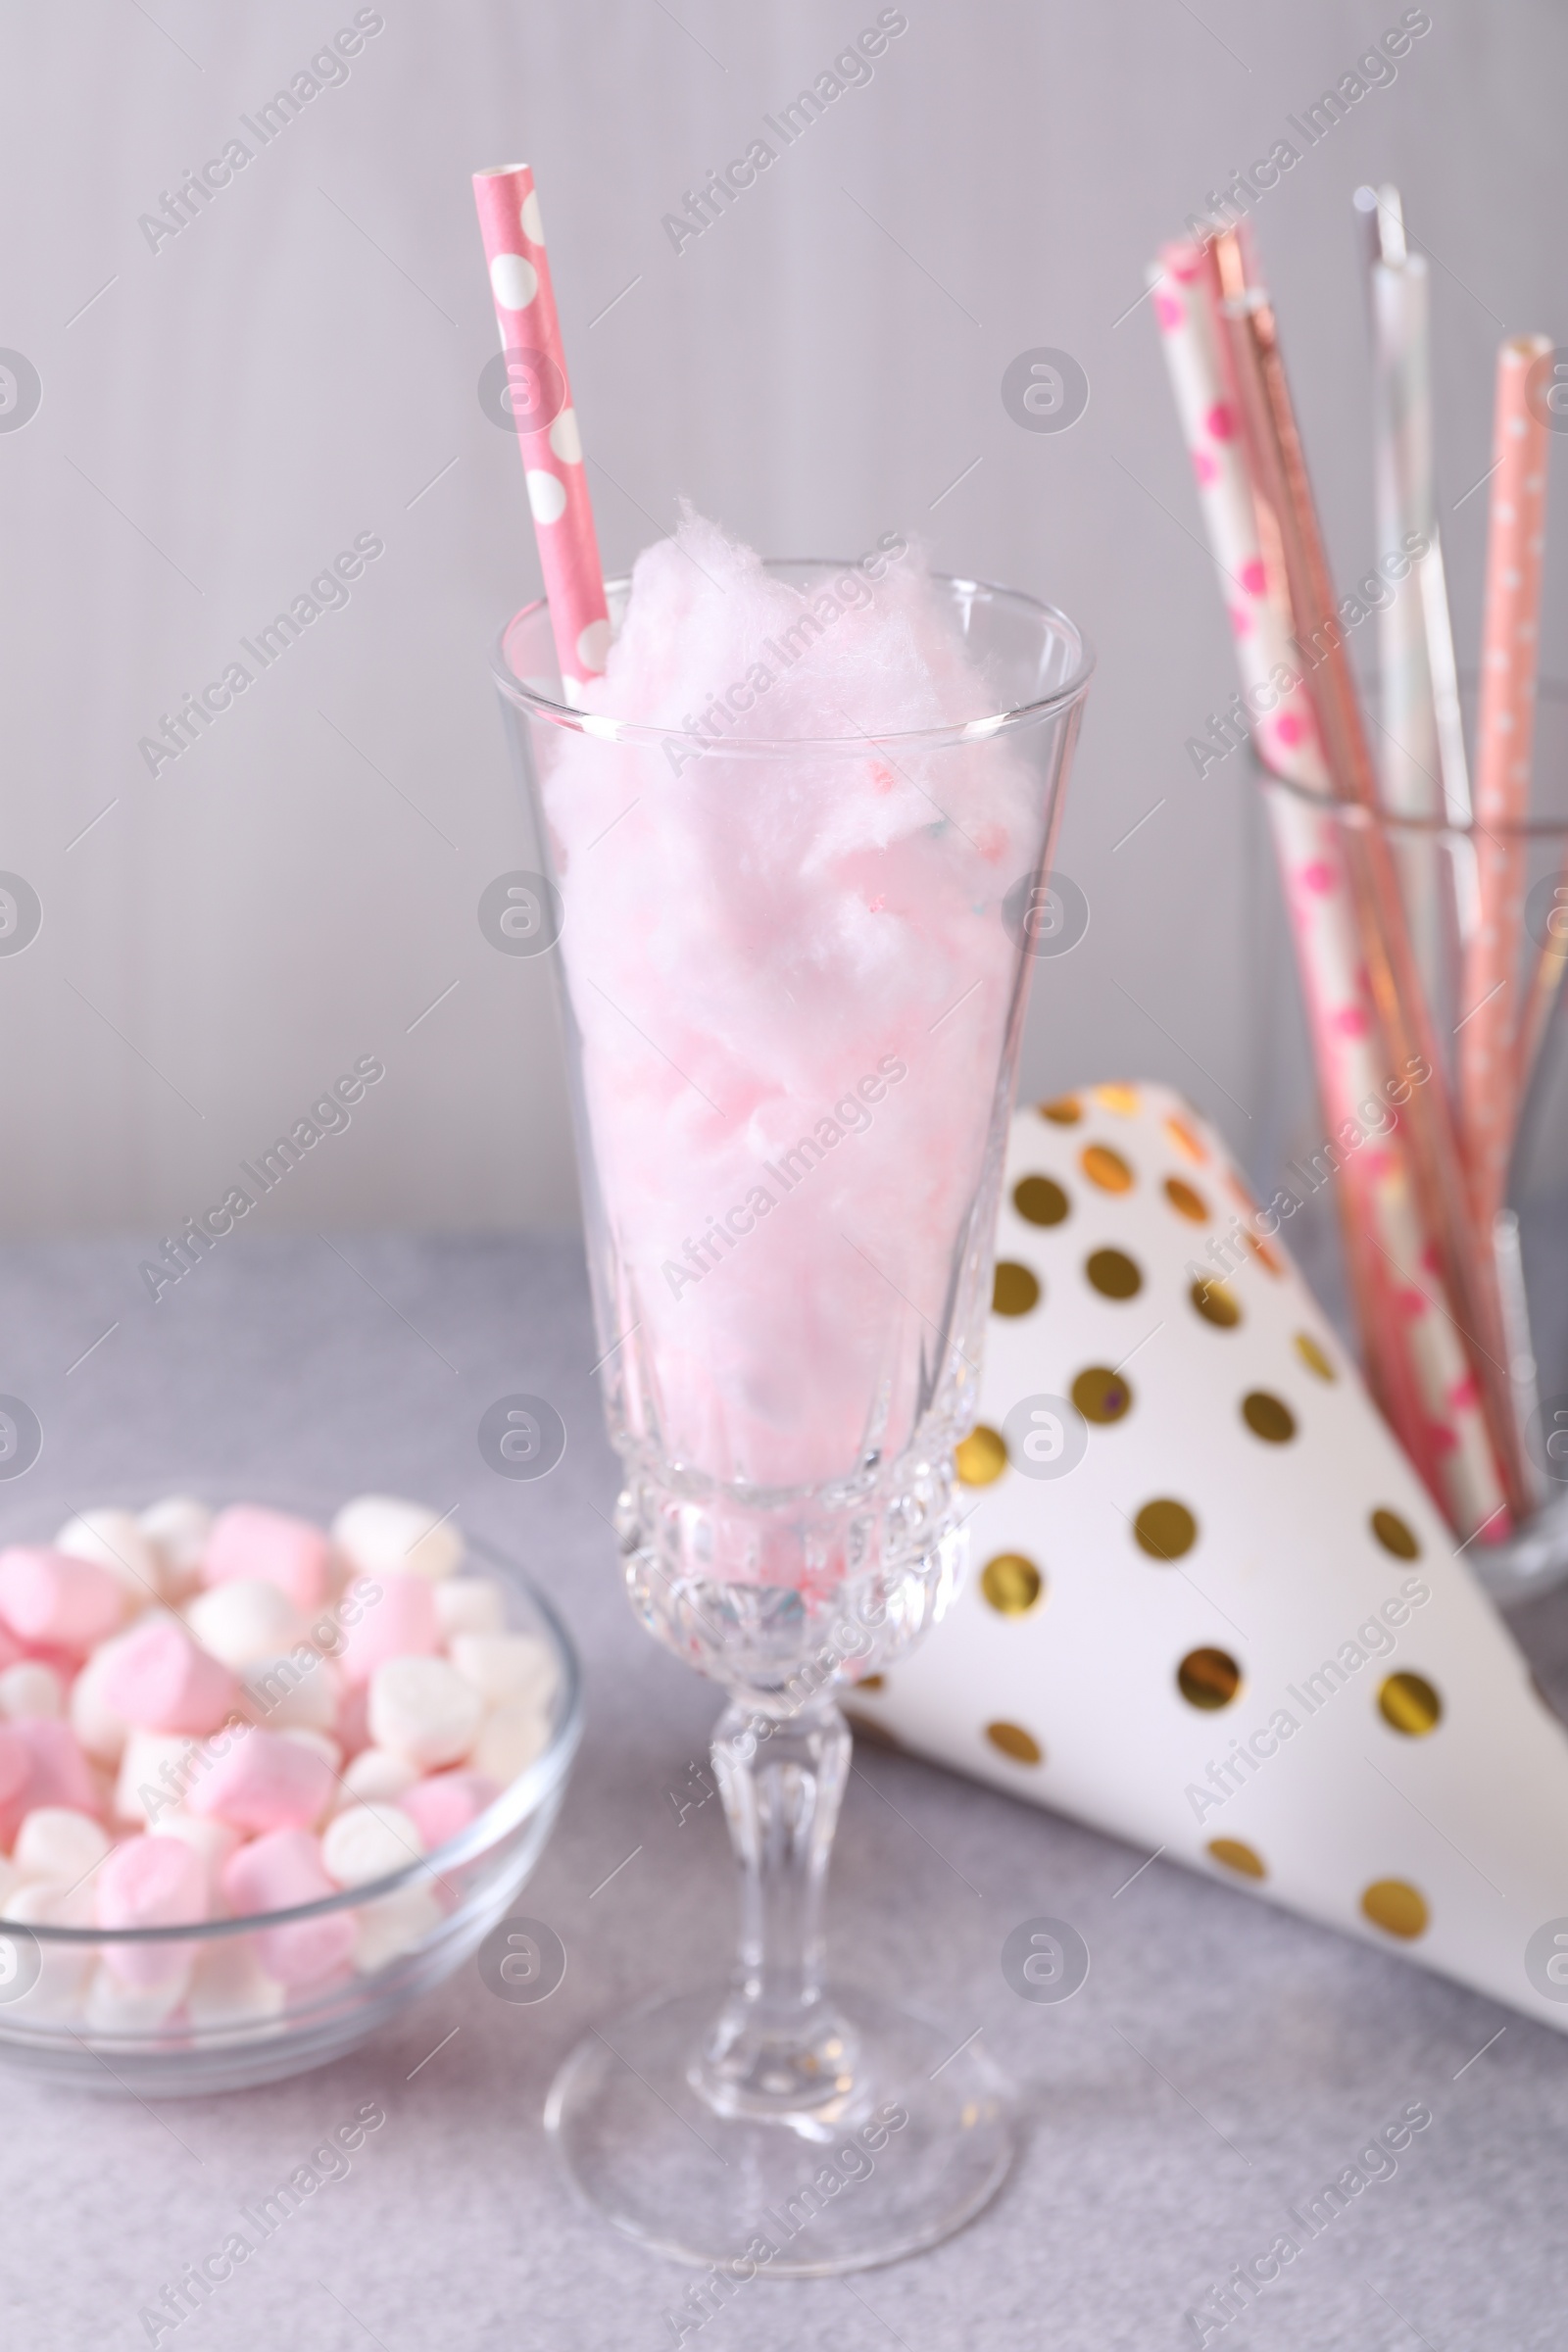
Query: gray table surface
1223	2062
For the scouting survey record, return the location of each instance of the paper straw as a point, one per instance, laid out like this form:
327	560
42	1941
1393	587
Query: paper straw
1281	482
1401	452
1415	1365
547	423
1490	1019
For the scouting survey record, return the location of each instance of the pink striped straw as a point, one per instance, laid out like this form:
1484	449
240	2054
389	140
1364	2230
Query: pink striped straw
1488	1067
1413	1358
547	423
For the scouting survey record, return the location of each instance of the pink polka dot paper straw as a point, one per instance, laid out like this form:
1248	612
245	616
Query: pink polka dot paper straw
547	423
1488	1063
1414	1362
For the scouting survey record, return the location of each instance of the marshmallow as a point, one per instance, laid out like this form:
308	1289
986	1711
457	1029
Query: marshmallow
211	1842
375	1777
379	1536
509	1739
159	1680
64	1968
230	1990
506	1669
177	1529
31	1689
15	1781
422	1708
54	1596
11	1881
248	1543
244	1621
288	1691
368	1841
351	1729
113	1540
390	1924
101	1732
115	2006
444	1805
317	1744
149	1882
399	1621
61	1774
273	1873
156	1769
470	1605
264	1782
57	1842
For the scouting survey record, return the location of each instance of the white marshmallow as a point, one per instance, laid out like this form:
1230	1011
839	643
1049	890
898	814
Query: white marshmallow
64	1968
112	2006
508	1741
114	1541
243	1621
423	1710
392	1924
383	1535
368	1841
55	1841
144	1791
376	1777
305	1735
30	1688
178	1526
213	1841
10	1879
470	1605
278	1694
230	1988
506	1669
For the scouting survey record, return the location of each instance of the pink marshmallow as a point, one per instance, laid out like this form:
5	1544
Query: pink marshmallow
249	1541
160	1680
16	1783
403	1623
150	1882
61	1774
352	1730
446	1803
274	1873
51	1597
264	1782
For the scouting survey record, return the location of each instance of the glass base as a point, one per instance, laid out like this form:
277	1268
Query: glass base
894	2156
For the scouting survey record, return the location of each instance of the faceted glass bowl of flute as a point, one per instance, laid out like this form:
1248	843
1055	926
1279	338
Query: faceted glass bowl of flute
794	979
1487	914
169	2012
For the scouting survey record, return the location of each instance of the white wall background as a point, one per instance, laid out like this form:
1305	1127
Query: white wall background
301	361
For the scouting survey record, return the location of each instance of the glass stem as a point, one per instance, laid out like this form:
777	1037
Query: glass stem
777	2048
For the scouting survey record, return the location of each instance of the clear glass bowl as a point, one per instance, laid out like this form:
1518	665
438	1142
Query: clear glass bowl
413	1929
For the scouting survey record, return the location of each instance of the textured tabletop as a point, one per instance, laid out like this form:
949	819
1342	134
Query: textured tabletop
1222	2063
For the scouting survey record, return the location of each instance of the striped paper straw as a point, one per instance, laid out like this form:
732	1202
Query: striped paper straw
1282	485
1414	1362
1401	453
547	423
1489	1070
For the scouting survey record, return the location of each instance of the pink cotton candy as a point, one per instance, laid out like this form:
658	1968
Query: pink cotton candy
445	1804
51	1597
264	1782
249	1541
765	956
150	1882
276	1873
402	1623
160	1680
